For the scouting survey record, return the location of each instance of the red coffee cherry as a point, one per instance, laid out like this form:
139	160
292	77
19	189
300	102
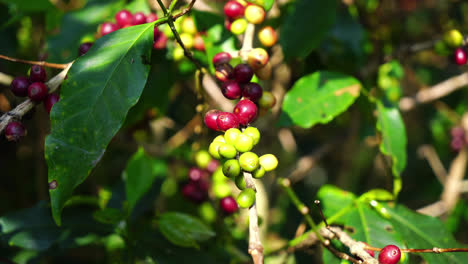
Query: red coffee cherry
252	91
221	58
37	91
246	111
233	9
138	18
228	205
19	86
460	56
196	192
37	74
243	73
84	47
370	252
390	254
226	121
231	90
123	18
50	100
212	166
210	119
197	174
151	18
160	41
107	28
14	131
198	42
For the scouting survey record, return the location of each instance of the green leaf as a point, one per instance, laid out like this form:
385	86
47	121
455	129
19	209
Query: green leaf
139	175
184	230
101	87
306	26
376	194
216	40
422	231
390	124
319	97
335	198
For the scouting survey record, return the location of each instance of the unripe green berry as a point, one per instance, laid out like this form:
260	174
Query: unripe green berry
178	53
221	189
213	149
453	38
231	168
218	175
187	39
231	135
259	172
202	159
246	198
240	182
238	26
243	143
227	151
219	138
248	161
269	162
253	133
188	26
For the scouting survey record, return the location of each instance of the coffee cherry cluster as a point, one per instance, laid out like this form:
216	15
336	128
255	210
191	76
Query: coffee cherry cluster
125	18
33	87
453	40
459	139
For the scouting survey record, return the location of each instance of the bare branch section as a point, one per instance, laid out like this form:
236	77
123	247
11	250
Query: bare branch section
435	92
40	63
27	105
255	245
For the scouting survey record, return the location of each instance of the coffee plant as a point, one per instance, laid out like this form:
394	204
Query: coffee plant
233	131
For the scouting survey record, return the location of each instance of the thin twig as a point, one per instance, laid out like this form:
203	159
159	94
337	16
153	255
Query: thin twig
184	11
457	171
40	63
255	245
428	152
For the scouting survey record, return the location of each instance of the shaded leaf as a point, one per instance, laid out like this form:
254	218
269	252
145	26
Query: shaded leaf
101	87
319	97
184	230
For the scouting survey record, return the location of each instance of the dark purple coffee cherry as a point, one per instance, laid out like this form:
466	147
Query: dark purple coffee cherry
37	91
107	28
210	119
457	144
139	18
246	111
252	91
226	121
224	72
37	74
221	58
390	254
243	73
123	18
14	131
228	205
50	100
19	86
196	191
231	90
84	47
460	56
234	9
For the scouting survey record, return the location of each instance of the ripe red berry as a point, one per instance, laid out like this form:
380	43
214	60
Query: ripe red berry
50	100
107	28
37	91
370	252
197	191
221	58
37	74
160	41
210	119
228	205
138	18
123	18
246	111
252	91
151	18
84	47
224	72
14	131
196	174
212	166
460	56
226	121
19	86
457	132
231	90
233	9
198	42
243	73
227	24
390	254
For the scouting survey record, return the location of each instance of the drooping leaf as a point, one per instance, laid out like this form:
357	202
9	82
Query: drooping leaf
390	124
184	230
139	176
101	87
319	97
306	26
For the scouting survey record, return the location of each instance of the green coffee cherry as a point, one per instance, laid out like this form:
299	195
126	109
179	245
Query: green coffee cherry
246	198
243	143
219	138
231	135
453	38
238	26
259	172
269	162
231	168
240	182
227	151
218	175
202	159
221	189
253	133
213	149
248	161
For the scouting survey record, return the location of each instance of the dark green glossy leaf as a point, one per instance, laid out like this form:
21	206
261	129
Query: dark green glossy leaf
335	199
306	26
422	231
390	124
319	97
184	230
140	173
101	87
